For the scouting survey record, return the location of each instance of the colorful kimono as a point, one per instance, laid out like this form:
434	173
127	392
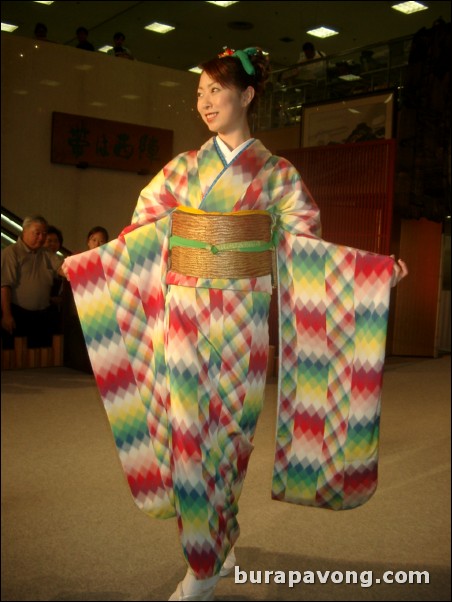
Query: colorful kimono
180	361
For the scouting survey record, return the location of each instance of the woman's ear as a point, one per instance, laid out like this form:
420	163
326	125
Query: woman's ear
248	95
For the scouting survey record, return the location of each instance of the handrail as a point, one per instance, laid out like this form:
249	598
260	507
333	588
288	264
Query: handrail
362	70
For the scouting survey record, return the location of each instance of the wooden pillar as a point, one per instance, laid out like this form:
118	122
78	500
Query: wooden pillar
57	350
415	300
20	352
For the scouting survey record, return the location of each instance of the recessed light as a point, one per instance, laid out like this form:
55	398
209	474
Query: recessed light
38	2
349	77
322	32
169	84
50	82
409	7
222	4
105	48
196	70
9	27
159	27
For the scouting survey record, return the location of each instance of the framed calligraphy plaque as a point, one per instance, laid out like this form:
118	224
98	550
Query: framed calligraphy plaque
90	142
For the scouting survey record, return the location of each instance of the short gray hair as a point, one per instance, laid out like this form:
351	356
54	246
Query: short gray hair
33	219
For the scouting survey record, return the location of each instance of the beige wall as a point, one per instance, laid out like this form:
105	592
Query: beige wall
39	80
281	139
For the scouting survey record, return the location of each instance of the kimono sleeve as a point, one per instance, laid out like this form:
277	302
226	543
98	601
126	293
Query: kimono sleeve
158	198
295	209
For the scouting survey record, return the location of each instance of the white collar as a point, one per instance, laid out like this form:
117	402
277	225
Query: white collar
230	154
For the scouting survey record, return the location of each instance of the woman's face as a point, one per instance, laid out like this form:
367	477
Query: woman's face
52	243
96	240
223	110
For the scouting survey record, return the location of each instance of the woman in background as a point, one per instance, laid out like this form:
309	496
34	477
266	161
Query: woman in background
97	236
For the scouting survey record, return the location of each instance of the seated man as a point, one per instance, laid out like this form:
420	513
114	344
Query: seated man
28	273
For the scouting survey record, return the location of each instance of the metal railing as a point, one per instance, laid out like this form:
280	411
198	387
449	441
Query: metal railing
359	71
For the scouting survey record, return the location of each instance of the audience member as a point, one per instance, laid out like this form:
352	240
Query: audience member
41	32
118	48
53	243
97	236
310	53
83	42
28	271
54	239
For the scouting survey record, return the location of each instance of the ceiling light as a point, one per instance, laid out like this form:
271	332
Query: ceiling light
38	2
159	27
349	77
9	27
50	82
196	70
222	4
322	32
169	84
105	48
409	7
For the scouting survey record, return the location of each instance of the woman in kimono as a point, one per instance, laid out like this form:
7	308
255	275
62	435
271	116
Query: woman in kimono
184	293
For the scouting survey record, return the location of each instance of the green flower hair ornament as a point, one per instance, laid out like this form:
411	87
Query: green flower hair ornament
243	56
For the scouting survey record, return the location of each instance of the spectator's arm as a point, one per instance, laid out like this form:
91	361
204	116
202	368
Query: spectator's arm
7	318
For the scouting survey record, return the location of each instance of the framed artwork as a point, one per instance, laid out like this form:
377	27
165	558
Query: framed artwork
358	119
90	142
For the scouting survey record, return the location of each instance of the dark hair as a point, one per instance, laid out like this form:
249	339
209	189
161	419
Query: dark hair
308	46
119	35
55	230
229	72
40	28
100	229
82	30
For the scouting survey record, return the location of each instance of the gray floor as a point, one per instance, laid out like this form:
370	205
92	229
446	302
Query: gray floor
70	530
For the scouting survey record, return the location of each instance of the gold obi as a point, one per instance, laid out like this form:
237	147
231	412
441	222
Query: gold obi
221	245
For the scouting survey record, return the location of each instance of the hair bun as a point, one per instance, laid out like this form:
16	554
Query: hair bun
261	64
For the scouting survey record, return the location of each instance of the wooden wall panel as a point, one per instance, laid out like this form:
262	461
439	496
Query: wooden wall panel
415	299
353	186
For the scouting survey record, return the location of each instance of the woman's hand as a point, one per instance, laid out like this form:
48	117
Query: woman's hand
400	271
8	323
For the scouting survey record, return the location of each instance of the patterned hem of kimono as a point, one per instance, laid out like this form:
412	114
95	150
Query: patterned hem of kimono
181	371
